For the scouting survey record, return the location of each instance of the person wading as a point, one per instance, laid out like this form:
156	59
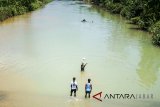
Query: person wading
74	87
88	88
83	65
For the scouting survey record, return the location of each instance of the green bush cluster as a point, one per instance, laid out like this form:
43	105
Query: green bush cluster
35	5
155	29
135	20
114	8
126	12
9	8
144	13
156	39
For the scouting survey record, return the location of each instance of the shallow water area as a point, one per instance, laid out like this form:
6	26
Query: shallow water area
40	53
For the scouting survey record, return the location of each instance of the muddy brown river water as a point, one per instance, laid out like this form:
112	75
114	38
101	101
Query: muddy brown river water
41	51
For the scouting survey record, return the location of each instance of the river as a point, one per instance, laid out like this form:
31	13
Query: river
41	51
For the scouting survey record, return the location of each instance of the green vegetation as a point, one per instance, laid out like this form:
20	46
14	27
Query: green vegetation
9	8
144	13
155	29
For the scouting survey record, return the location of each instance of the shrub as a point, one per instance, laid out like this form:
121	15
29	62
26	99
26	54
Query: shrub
156	38
5	12
135	20
125	12
155	28
35	5
20	10
146	20
117	8
109	5
17	7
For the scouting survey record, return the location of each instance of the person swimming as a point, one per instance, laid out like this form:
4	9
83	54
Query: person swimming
88	88
84	20
74	87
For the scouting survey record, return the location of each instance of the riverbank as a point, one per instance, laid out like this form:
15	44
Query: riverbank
10	8
144	13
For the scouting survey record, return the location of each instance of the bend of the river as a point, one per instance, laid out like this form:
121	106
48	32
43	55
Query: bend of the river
41	51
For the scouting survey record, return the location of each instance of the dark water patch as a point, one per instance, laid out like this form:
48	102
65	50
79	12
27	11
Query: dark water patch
3	95
135	28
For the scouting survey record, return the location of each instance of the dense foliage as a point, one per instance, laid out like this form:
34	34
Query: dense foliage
10	8
144	13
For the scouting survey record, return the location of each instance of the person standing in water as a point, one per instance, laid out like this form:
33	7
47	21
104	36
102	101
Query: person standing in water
74	87
88	88
83	65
